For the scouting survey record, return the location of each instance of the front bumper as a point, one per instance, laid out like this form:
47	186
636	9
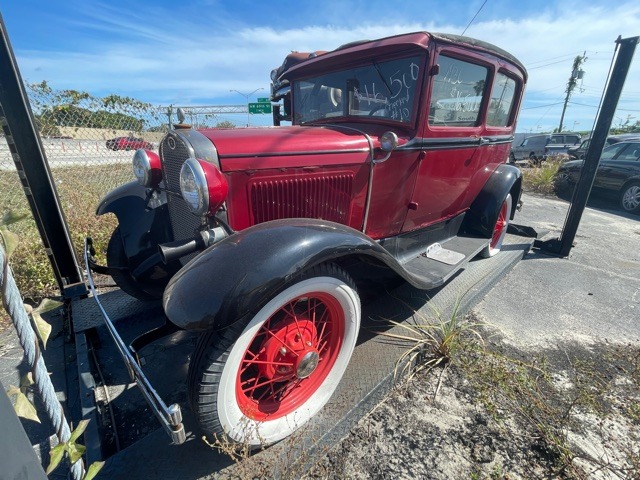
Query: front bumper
170	417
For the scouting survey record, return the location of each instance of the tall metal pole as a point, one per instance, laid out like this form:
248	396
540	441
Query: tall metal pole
246	96
31	163
562	245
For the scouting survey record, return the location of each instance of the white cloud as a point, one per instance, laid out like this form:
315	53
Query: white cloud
175	60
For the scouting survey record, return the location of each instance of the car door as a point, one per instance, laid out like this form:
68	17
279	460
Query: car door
449	158
615	171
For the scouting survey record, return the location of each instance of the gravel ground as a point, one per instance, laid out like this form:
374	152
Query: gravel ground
553	391
495	412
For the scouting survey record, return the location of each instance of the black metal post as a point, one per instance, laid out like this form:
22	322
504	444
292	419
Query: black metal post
31	163
562	245
17	456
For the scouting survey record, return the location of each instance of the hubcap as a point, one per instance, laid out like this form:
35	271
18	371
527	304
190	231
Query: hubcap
307	364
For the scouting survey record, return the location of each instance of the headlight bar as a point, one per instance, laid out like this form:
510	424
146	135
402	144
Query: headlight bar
170	417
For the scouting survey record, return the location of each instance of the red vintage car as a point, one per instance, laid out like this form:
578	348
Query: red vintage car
260	238
127	143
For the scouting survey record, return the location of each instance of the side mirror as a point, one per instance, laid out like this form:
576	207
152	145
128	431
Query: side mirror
389	141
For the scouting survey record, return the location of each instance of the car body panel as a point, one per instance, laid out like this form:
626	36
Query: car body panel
618	165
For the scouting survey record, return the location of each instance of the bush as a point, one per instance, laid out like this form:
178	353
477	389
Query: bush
542	178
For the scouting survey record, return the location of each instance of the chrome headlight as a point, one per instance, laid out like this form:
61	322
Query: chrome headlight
193	186
147	168
203	186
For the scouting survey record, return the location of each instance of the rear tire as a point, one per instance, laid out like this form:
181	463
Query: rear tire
263	377
499	229
116	257
630	197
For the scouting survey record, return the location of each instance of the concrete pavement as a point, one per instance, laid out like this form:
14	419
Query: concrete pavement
592	295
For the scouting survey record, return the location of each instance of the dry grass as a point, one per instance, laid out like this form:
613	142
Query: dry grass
541	179
80	190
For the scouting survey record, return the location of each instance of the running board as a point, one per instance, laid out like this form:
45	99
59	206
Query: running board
439	262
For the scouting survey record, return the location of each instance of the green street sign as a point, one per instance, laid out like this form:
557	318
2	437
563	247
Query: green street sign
263	100
260	107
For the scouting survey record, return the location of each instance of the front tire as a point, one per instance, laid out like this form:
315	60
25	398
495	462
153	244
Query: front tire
499	229
116	257
262	378
630	197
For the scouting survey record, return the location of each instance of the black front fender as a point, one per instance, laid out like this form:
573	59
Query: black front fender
141	219
237	276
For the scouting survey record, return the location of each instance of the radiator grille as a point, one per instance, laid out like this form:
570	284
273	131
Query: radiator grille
326	197
183	223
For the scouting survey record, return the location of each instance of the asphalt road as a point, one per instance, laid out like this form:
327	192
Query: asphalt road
592	295
62	152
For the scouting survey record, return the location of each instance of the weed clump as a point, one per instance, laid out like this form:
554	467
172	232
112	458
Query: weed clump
542	178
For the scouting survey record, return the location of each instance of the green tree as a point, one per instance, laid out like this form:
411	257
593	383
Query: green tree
225	124
72	108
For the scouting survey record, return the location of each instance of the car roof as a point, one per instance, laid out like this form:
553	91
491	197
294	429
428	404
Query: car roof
400	42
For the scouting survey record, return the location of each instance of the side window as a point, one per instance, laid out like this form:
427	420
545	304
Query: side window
457	93
502	94
611	151
630	153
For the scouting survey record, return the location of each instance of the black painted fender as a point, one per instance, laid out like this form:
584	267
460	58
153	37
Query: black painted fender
136	218
483	213
235	277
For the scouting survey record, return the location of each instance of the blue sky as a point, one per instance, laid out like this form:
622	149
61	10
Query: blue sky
195	52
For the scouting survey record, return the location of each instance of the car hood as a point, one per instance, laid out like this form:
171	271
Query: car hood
267	147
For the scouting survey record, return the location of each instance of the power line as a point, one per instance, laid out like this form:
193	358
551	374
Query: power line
542	106
565	56
474	17
547	64
595	106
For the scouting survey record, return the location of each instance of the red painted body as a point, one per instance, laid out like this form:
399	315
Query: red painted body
322	169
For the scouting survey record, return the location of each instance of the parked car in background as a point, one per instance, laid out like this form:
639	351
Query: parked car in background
559	143
537	147
128	143
580	151
618	174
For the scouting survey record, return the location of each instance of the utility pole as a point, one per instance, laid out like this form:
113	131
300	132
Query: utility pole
576	74
246	96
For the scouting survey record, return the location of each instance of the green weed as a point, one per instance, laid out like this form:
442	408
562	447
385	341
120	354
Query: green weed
542	178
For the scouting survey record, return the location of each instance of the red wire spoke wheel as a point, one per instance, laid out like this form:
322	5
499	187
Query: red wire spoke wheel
261	380
499	229
290	356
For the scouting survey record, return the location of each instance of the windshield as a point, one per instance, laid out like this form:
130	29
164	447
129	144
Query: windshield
384	90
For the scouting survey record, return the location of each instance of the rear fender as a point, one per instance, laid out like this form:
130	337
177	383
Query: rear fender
484	210
237	276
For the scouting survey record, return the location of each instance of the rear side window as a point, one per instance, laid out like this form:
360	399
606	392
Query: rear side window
457	93
630	153
611	151
502	95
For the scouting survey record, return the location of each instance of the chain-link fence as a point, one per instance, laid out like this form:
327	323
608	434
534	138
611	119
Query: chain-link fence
89	143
